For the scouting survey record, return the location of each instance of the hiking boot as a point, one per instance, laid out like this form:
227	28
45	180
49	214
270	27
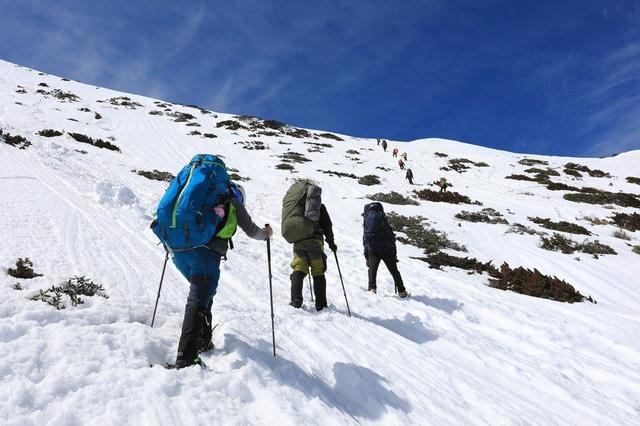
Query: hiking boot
297	282
194	319
188	363
204	346
402	294
373	290
320	290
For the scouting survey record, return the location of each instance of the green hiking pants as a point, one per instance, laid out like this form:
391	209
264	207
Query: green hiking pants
309	254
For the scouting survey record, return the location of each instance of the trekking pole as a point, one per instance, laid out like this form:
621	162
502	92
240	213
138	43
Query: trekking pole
153	319
273	329
310	285
343	290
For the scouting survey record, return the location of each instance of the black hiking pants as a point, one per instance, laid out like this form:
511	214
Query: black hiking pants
389	259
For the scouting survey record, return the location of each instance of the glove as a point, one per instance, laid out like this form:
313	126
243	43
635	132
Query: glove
333	246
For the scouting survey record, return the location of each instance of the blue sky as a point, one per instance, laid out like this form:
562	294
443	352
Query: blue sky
546	77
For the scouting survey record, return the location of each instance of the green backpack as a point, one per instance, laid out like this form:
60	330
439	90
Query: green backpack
300	212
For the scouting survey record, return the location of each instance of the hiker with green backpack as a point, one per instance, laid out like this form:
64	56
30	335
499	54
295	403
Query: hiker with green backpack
306	224
196	218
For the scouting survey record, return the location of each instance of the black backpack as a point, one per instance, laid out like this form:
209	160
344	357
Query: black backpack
377	233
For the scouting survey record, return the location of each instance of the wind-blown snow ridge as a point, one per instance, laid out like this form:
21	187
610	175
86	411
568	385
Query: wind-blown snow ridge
456	352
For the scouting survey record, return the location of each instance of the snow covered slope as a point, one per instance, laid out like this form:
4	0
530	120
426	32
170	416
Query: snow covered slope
456	352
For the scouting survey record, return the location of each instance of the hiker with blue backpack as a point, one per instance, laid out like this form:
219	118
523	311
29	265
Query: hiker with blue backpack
380	245
196	218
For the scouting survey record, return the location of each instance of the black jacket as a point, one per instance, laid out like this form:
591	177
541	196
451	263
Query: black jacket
324	226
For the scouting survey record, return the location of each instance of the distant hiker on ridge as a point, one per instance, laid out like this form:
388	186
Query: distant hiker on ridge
197	230
380	244
378	141
401	164
305	221
409	176
395	152
443	184
384	145
404	156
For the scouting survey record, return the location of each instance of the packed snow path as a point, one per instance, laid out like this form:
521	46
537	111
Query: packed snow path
455	352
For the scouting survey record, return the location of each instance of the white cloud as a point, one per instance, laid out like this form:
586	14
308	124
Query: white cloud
613	107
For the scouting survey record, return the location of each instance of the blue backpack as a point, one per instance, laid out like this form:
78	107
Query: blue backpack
377	235
185	215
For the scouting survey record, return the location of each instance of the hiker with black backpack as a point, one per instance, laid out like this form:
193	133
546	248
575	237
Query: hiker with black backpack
196	219
305	224
380	245
409	176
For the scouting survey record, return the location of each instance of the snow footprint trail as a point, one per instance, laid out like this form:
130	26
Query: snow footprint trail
103	253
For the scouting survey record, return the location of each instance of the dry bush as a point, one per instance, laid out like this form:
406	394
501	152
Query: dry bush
486	215
630	222
622	199
23	269
330	136
558	242
518	228
98	143
533	162
562	226
534	283
155	175
594	220
284	166
420	235
73	288
444	197
16	141
338	174
619	233
574	167
440	259
393	198
369	180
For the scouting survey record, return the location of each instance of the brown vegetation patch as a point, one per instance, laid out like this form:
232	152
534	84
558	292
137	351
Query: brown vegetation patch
444	197
562	226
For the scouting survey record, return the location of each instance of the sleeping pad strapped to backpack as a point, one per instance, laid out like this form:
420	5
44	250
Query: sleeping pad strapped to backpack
185	215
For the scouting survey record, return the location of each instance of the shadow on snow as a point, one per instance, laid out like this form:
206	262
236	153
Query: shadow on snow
411	327
358	391
446	305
